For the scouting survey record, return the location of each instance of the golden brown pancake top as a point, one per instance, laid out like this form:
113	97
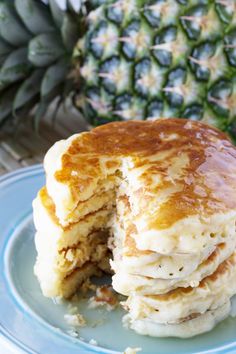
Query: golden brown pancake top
206	184
50	208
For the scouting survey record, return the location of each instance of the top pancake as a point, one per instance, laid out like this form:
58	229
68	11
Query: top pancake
175	169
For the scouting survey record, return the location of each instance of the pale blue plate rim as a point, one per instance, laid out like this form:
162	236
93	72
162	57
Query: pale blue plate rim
7	339
12	342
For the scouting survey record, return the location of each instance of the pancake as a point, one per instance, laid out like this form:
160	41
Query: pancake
53	286
96	202
64	254
126	283
52	233
165	192
150	263
181	179
176	305
62	250
151	272
153	264
189	328
57	271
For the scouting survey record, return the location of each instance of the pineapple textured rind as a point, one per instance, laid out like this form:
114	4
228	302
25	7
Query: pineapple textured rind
120	59
150	59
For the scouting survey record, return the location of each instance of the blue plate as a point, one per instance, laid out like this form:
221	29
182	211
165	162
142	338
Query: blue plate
34	324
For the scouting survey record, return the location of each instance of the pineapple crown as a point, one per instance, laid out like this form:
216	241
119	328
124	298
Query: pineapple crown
37	38
76	5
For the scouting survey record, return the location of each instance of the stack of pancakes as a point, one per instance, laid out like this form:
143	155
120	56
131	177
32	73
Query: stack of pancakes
161	196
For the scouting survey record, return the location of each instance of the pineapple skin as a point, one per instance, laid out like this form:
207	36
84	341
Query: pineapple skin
134	59
160	58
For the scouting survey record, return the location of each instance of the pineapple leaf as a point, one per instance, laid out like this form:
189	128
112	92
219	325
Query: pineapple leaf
45	49
69	31
53	77
23	112
29	89
45	103
11	27
3	59
57	13
68	87
62	4
5	48
15	67
35	16
6	100
40	112
75	4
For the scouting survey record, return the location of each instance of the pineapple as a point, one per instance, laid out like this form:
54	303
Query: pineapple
160	58
36	45
120	59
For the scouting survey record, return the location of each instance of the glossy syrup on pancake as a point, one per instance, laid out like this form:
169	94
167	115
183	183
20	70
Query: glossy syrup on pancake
207	184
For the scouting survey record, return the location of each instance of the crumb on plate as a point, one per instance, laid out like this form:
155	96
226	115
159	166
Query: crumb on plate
73	333
93	342
105	296
76	320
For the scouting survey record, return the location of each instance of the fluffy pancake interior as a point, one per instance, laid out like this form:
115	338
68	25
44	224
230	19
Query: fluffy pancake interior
65	253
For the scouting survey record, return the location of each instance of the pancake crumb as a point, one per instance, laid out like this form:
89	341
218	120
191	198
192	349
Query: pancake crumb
73	333
76	320
93	342
105	296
